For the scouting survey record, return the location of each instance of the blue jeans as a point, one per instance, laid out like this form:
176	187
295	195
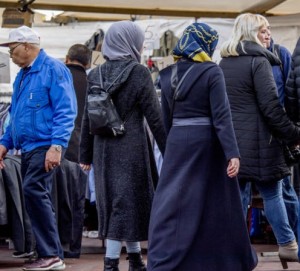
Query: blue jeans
113	248
245	193
291	203
274	208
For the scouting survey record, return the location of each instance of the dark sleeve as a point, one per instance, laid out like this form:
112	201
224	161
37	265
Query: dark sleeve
291	101
268	103
86	139
286	59
150	106
221	114
291	97
165	111
166	96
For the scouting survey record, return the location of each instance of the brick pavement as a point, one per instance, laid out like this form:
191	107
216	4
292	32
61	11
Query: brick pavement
92	259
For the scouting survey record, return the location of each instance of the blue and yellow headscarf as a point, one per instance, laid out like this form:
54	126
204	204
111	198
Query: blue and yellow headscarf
198	43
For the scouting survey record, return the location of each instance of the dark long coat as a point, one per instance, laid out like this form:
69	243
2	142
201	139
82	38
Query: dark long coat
259	120
197	221
123	175
80	85
292	103
18	220
68	197
292	91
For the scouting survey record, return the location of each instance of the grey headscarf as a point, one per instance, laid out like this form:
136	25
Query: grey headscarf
123	39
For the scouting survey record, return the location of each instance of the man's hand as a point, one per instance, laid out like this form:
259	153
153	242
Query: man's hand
53	158
85	166
3	152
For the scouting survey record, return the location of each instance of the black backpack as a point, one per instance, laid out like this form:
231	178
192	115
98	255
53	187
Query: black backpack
104	119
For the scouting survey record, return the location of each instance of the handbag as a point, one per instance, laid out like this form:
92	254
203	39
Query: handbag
104	119
291	154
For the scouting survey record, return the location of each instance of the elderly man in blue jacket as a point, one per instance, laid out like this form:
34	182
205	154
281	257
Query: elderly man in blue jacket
42	112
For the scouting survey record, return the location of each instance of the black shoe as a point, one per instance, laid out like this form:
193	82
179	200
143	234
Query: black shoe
71	254
111	264
19	254
136	262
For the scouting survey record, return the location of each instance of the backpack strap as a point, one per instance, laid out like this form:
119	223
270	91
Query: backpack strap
175	85
129	114
116	79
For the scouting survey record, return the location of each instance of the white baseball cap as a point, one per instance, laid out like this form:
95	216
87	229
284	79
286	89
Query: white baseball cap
22	34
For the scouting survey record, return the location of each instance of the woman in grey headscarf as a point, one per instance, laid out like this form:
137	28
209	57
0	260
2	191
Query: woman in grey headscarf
123	173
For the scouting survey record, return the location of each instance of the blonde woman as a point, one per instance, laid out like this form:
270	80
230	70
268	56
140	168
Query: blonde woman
260	124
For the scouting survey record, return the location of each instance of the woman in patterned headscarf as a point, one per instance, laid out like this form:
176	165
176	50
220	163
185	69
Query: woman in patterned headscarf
197	220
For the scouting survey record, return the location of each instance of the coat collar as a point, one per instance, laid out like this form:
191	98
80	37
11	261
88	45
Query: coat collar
250	48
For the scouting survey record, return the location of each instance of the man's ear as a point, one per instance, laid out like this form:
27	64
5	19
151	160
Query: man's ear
67	61
88	66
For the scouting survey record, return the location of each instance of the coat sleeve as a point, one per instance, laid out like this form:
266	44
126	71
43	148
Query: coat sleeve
286	59
221	114
151	109
166	97
269	105
86	139
64	105
6	139
292	90
166	112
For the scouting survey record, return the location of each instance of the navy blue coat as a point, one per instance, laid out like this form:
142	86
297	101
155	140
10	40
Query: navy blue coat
197	221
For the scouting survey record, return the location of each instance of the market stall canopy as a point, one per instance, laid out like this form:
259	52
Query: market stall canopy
186	8
153	17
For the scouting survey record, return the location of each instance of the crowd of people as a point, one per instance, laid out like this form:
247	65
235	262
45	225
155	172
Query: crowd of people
221	130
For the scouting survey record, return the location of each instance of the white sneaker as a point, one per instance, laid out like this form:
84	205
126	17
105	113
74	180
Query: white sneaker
93	234
62	266
85	233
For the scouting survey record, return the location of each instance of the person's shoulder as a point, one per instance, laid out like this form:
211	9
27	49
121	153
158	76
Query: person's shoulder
284	51
261	63
166	70
209	66
76	67
55	63
296	52
138	67
93	72
139	72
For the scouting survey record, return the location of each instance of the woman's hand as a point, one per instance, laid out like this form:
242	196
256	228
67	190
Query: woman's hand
233	167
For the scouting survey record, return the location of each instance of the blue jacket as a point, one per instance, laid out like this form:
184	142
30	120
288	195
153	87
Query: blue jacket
280	73
43	107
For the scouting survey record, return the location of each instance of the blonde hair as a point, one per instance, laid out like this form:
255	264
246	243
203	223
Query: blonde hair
246	27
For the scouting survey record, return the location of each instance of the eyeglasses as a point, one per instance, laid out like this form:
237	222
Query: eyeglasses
11	50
